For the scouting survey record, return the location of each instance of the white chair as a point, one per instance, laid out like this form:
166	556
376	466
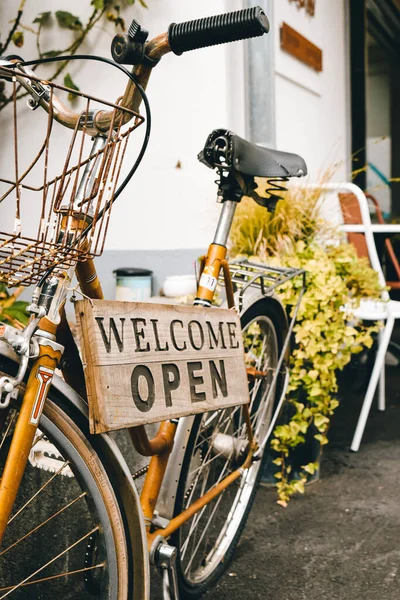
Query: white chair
385	311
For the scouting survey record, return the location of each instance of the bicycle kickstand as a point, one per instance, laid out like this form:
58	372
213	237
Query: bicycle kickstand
164	557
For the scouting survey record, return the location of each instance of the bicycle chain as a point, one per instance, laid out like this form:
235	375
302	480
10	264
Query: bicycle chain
140	472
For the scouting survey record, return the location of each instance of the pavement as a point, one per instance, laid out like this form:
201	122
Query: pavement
341	539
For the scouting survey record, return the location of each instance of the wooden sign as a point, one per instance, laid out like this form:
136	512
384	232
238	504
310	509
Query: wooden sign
300	47
146	363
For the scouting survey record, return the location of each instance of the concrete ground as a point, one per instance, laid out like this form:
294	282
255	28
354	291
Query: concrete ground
341	540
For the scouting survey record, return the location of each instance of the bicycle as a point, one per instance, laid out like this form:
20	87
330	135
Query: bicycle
204	468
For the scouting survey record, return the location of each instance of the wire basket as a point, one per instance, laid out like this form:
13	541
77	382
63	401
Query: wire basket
57	185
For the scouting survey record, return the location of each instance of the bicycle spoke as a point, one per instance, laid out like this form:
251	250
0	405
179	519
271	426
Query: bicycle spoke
43	523
49	563
10	424
66	463
193	525
194	484
207	463
52	577
197	517
216	451
203	534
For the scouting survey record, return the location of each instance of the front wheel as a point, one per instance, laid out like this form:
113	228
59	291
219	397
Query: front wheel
217	444
66	537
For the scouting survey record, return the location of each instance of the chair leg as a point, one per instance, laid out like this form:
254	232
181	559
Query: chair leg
381	389
376	371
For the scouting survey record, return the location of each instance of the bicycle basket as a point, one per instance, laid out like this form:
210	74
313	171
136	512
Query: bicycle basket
57	185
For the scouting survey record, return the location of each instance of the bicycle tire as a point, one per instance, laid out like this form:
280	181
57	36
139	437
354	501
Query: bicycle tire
211	559
98	565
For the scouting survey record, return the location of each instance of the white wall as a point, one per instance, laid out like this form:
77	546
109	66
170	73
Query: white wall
169	208
175	208
379	143
163	207
378	103
311	107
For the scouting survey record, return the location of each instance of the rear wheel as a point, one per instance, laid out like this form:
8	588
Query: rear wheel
217	446
65	538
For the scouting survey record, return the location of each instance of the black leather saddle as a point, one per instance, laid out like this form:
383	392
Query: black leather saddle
226	150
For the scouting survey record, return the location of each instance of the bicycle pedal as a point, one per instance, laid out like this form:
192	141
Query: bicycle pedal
164	556
44	455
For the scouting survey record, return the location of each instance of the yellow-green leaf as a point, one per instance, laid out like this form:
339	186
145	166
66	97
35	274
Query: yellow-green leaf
71	85
18	38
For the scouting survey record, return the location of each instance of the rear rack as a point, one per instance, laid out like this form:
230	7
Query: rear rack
246	274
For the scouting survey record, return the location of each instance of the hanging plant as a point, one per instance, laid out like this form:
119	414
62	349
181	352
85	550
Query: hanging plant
63	19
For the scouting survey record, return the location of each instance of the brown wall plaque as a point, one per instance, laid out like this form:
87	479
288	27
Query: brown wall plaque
300	47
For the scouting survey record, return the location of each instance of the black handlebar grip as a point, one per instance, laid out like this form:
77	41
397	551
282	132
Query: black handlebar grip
220	29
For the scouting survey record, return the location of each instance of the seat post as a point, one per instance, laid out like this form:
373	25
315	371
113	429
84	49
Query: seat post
225	222
216	259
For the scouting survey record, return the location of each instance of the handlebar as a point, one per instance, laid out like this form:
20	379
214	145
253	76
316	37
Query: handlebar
190	35
220	29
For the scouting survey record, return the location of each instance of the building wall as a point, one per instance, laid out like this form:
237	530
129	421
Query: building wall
311	107
169	212
379	142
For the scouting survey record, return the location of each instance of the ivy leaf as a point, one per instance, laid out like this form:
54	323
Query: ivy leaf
52	53
18	38
310	468
321	438
116	19
101	4
11	313
67	20
20	305
121	23
298	486
43	18
70	84
320	422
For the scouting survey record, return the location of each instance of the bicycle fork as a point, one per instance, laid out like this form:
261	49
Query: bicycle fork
40	378
48	300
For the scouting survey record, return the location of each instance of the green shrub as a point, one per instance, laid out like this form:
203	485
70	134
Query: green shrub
12	311
296	236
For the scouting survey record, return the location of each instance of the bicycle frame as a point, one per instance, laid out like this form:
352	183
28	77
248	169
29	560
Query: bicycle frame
54	337
159	448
